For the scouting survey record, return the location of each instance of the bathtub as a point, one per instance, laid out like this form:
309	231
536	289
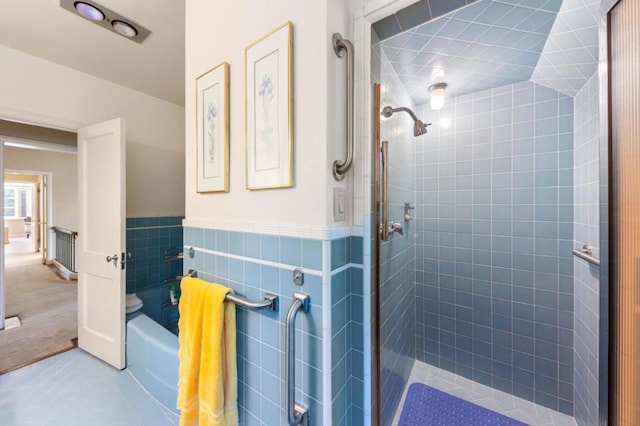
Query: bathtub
152	358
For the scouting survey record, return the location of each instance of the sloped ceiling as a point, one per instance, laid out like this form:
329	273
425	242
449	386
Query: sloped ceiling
492	43
570	55
156	67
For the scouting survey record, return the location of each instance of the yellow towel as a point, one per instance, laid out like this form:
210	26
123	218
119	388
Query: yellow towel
208	381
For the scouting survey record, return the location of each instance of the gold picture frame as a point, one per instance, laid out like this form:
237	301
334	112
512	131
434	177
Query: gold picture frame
269	110
212	130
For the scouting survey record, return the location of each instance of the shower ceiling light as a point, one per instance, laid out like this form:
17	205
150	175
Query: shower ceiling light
107	19
89	11
437	95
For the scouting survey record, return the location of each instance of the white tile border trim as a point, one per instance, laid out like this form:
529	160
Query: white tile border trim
316	233
154	227
327	341
345	267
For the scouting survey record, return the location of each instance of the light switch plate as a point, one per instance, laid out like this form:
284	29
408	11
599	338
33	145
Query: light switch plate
339	204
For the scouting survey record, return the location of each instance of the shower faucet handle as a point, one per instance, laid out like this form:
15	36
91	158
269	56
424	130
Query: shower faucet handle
407	211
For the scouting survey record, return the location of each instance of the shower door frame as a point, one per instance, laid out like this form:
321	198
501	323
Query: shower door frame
605	230
364	17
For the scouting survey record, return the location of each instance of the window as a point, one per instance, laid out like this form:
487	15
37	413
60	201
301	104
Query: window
18	200
9	202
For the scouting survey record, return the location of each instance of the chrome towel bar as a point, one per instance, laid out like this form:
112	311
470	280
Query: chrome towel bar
344	48
270	301
297	414
585	254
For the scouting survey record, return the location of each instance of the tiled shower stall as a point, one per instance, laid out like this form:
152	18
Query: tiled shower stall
483	282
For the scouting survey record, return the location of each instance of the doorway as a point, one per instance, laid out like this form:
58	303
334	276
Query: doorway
23	216
40	304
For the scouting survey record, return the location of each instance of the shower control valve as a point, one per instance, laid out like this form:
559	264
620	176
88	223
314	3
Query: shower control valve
395	227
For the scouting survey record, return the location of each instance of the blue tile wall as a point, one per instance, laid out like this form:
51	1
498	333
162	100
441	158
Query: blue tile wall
253	264
347	352
586	231
153	243
494	270
397	264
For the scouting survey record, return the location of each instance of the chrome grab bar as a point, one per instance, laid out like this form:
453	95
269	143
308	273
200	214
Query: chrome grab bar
585	254
340	45
384	199
297	414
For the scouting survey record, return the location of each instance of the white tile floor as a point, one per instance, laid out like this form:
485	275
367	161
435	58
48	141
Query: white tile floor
501	402
74	388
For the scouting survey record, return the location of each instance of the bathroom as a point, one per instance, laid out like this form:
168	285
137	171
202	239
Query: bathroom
256	253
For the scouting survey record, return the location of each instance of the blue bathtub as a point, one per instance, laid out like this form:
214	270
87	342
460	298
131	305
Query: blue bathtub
152	358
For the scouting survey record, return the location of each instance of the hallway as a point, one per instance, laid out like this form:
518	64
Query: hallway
45	304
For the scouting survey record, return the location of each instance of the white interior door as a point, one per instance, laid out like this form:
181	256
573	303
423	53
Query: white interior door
101	236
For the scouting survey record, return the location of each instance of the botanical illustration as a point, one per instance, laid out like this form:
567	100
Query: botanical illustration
266	113
211	160
212	113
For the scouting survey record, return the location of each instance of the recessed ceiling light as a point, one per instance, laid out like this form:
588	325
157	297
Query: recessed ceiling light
89	11
106	18
124	29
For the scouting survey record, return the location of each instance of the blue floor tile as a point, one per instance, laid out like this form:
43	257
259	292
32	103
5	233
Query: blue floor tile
75	388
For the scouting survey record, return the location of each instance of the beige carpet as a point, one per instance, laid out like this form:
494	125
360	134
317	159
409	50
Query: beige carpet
47	306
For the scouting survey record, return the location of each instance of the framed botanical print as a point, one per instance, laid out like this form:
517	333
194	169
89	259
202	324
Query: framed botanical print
269	110
212	123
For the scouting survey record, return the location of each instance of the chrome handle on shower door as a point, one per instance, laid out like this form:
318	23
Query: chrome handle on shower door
384	183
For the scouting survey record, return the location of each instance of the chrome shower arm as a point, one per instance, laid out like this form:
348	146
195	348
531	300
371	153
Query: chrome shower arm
419	127
388	111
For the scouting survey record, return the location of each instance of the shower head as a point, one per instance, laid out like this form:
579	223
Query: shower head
419	128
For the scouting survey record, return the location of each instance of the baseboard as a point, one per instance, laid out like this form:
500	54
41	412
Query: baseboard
64	272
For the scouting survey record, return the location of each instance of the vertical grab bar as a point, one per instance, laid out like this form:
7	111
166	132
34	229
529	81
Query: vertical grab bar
297	414
340	45
384	159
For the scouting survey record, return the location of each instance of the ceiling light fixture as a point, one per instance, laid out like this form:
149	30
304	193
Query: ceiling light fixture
437	95
107	19
89	11
124	29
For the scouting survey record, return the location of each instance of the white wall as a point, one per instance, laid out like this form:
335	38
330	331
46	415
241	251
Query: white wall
63	182
39	92
220	31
